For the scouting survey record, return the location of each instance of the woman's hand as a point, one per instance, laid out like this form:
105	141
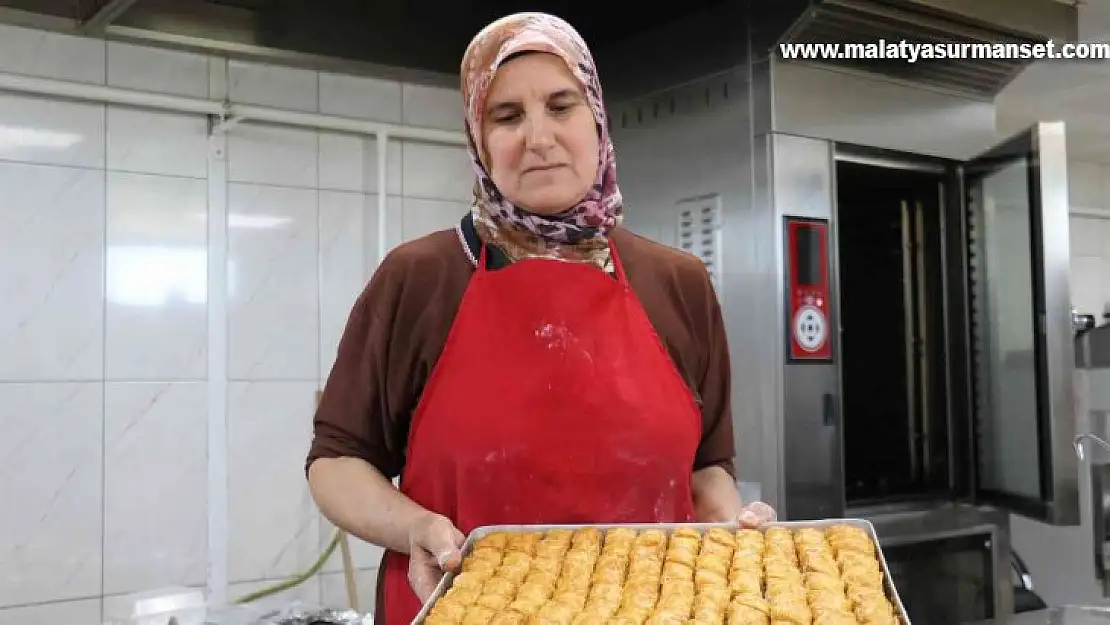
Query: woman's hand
434	548
757	514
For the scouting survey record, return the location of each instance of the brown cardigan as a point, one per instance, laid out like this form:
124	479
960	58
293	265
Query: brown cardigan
399	324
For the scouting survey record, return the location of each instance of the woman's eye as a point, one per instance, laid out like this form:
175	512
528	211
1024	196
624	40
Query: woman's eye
507	118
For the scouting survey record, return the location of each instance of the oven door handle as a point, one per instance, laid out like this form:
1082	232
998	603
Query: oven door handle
828	409
1022	571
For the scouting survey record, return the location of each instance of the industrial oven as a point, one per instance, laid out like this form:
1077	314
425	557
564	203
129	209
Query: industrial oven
894	280
927	353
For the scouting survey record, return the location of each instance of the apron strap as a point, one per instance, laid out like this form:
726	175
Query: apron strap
618	267
484	256
483	260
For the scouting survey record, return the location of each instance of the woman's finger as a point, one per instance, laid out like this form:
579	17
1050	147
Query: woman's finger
756	514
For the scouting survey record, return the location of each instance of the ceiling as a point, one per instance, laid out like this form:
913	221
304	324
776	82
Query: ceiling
1076	92
378	34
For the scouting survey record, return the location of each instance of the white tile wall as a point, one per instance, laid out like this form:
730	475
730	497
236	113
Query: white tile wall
151	69
157	143
420	216
81	612
157	278
50	532
436	172
348	247
33	130
269	85
104	337
274	524
429	106
1089	191
51	273
38	53
333	588
364	98
350	163
272	282
272	155
155	503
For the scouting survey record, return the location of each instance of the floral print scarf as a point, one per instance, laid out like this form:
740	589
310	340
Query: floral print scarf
581	232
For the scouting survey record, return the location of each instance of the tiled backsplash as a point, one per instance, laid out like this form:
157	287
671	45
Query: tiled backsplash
104	248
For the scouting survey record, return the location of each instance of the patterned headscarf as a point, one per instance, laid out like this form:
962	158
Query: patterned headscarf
579	233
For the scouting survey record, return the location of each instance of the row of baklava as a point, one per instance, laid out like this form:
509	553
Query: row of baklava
742	578
859	571
745	580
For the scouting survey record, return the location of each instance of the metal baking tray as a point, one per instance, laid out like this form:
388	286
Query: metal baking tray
888	582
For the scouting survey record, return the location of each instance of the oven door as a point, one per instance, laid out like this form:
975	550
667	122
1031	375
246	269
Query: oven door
1022	355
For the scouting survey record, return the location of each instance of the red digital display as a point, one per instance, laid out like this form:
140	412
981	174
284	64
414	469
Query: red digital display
807	259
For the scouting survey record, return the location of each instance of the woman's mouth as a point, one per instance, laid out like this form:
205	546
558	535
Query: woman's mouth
540	168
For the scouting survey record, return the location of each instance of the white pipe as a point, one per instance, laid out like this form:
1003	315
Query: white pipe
344	124
32	85
219	498
110	95
383	192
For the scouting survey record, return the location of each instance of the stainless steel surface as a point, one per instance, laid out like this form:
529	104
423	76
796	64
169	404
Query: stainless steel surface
921	332
1063	615
770	301
848	22
844	154
932	524
891	591
1055	250
1081	438
800	460
910	363
762	96
1091	444
813	476
768	290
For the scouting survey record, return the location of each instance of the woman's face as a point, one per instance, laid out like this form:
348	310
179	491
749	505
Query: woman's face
541	143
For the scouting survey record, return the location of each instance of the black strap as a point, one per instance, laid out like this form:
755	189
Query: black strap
495	258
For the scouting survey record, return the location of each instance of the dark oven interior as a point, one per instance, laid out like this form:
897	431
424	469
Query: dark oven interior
895	399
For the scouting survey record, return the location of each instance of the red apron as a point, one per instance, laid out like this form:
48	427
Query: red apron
553	401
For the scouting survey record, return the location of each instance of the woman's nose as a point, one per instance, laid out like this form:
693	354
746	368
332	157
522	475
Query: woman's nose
539	134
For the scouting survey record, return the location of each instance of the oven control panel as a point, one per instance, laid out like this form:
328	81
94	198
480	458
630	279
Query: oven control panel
808	321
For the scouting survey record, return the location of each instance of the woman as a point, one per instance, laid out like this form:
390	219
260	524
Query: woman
538	364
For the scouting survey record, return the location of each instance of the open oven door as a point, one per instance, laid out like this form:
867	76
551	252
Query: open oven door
1019	299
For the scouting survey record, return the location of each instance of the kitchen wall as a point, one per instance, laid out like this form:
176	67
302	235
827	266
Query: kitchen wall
106	345
1090	235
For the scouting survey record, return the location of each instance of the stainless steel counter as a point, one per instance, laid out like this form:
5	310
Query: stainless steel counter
1068	615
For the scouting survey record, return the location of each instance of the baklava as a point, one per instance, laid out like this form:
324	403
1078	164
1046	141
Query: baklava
623	576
